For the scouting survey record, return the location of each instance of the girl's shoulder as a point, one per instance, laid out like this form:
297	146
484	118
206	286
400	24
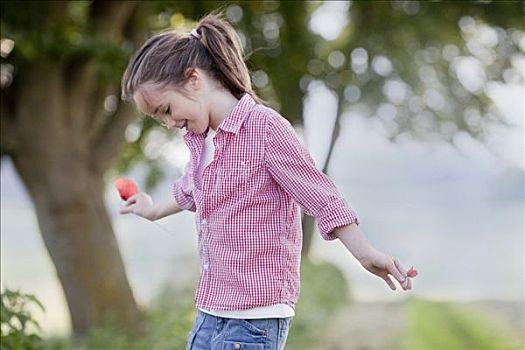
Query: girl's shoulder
264	117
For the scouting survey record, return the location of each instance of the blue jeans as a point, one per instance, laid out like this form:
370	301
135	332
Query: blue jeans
217	333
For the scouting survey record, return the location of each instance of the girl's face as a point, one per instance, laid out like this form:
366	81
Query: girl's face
172	108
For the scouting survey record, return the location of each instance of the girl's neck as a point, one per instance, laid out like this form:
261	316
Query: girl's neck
221	103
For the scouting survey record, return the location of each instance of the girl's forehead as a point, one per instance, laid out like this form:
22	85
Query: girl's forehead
146	100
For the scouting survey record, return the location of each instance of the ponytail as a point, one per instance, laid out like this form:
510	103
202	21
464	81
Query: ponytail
225	49
212	46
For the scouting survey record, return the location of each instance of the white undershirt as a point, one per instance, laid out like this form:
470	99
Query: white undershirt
271	311
206	156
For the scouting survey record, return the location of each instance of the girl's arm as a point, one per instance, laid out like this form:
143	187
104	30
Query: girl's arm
166	208
372	260
294	170
141	204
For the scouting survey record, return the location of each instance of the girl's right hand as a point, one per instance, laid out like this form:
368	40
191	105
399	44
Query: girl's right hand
140	204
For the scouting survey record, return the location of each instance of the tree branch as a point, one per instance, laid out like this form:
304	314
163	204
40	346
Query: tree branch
107	145
83	95
87	95
335	131
110	17
8	138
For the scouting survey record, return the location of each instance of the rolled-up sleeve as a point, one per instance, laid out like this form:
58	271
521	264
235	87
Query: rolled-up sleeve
183	190
294	170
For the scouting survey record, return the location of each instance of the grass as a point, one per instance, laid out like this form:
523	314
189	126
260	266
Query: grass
447	326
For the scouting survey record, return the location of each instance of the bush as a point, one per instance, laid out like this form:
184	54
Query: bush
168	320
323	290
17	321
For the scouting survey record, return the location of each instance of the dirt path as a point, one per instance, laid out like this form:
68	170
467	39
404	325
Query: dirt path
366	326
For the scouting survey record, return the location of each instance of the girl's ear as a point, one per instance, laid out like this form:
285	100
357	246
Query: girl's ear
194	78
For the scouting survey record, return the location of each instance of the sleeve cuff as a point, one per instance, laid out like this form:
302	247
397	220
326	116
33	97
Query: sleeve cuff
184	201
336	214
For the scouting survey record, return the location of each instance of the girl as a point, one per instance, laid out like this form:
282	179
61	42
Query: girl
246	179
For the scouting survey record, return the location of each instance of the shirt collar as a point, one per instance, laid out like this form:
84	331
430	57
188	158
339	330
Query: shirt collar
233	122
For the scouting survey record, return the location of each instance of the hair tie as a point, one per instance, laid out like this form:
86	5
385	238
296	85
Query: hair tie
195	34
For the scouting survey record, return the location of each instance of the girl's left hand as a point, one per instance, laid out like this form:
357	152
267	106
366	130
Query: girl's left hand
383	266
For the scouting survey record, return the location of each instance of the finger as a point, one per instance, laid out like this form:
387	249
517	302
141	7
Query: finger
130	201
397	270
128	208
400	267
406	283
125	210
389	282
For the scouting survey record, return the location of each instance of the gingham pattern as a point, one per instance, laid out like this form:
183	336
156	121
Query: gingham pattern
247	211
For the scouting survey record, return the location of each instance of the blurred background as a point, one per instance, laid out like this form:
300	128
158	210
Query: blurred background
415	110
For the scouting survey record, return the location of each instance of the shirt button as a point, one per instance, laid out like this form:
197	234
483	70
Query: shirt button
204	222
237	346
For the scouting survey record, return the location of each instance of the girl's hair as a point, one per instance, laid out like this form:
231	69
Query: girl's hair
167	58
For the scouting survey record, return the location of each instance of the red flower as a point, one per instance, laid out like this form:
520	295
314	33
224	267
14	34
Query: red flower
412	272
126	187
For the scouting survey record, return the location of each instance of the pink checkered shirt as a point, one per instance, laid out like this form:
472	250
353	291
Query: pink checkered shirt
247	211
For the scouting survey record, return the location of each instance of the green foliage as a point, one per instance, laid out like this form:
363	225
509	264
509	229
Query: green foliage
418	44
412	40
323	290
51	33
445	325
17	321
171	317
168	320
412	36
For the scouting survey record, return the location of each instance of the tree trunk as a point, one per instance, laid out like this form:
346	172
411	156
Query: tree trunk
308	222
79	238
64	177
